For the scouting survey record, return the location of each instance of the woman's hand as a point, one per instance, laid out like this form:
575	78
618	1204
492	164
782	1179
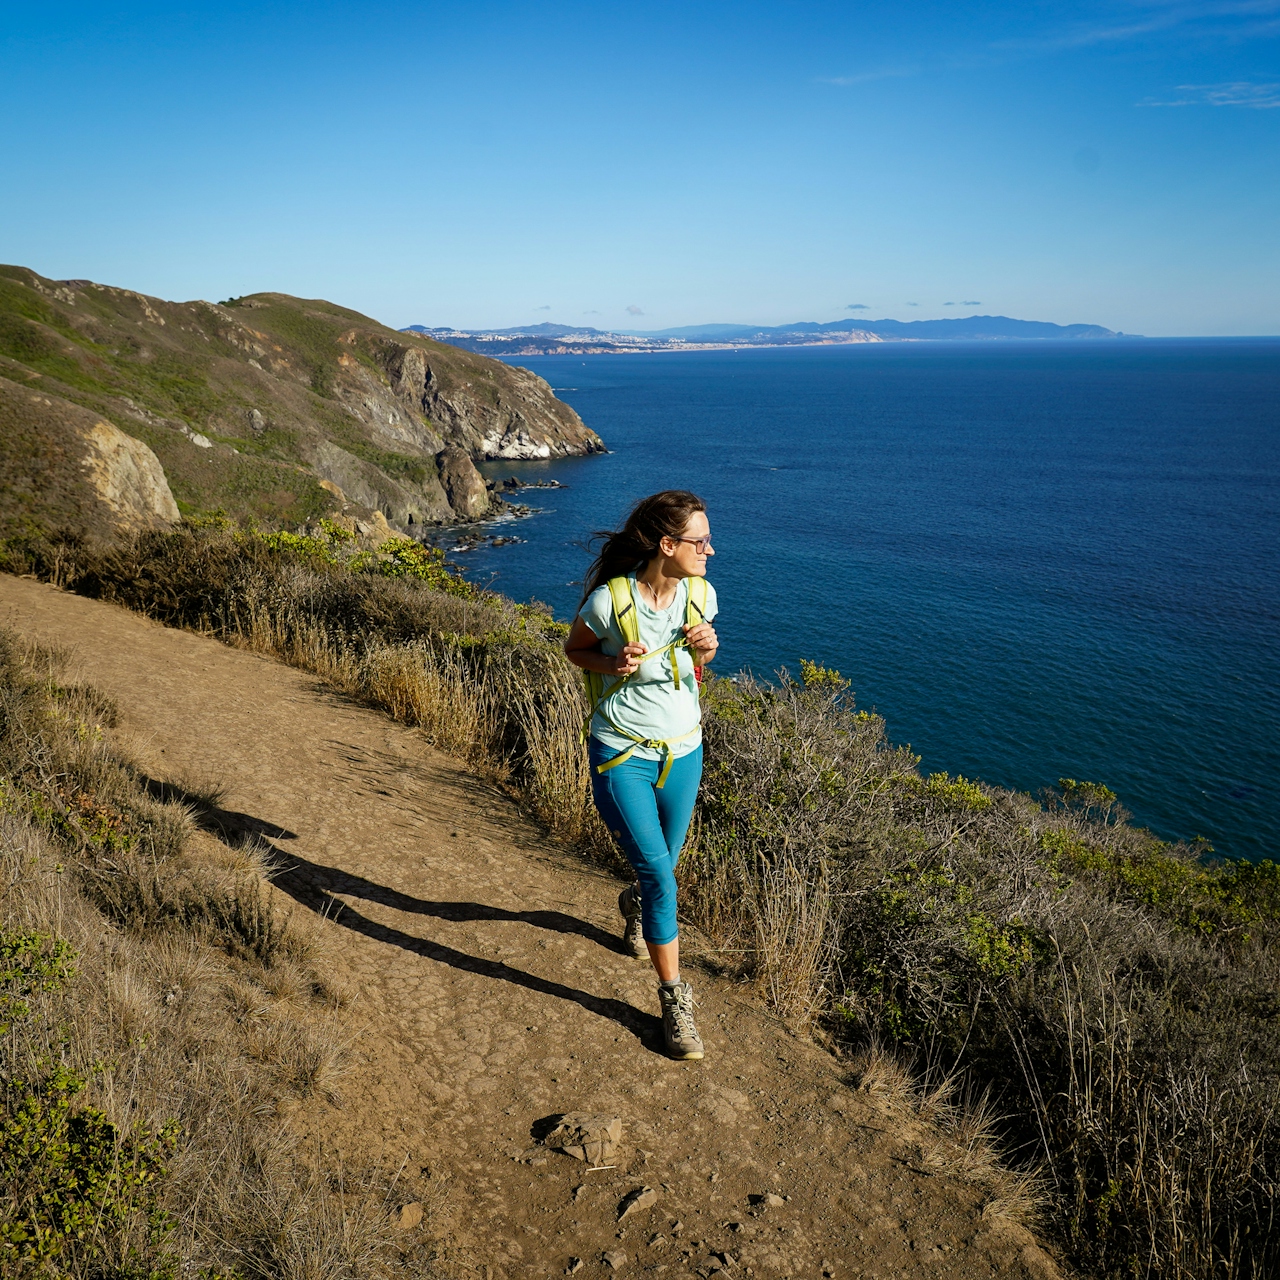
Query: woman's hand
628	660
582	648
703	642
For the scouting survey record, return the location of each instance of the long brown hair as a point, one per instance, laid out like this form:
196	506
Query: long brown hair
661	515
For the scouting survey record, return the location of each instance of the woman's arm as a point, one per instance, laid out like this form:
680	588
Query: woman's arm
582	648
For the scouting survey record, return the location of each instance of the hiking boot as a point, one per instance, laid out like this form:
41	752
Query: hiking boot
632	933
678	1030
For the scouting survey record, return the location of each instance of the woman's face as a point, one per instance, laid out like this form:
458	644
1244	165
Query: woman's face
688	556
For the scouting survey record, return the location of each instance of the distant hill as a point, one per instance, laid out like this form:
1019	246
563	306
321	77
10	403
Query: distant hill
113	405
556	339
902	330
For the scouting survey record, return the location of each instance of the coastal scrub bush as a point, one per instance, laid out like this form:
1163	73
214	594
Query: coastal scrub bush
30	964
1111	995
1117	992
79	1195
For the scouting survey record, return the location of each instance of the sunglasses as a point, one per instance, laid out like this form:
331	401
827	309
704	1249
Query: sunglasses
703	545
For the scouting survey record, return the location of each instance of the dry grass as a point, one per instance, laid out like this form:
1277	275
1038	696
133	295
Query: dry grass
792	910
879	1072
963	1135
195	1003
1113	994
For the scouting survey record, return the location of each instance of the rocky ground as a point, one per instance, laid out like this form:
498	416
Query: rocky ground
490	993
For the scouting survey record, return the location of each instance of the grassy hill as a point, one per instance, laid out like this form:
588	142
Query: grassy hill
269	407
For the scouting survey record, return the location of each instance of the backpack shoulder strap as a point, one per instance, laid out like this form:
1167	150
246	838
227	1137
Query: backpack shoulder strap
695	609
624	609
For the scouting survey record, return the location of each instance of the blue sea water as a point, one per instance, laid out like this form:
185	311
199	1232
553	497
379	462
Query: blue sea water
1035	560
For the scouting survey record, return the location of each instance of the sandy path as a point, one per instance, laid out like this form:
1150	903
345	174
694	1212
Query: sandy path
491	992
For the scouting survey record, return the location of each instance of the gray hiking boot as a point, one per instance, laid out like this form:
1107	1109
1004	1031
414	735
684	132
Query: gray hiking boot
678	1030
632	933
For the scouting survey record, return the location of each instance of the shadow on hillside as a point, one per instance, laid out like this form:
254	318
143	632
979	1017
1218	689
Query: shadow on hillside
317	887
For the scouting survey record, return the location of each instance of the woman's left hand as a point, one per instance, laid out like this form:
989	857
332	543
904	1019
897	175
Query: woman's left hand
703	642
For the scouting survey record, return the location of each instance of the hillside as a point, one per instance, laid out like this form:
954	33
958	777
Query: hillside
1049	981
270	407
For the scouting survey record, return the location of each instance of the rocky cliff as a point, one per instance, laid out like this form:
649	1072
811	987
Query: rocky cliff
269	407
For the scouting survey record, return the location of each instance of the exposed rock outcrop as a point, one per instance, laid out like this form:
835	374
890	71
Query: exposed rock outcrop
404	503
386	405
127	477
515	416
62	464
468	494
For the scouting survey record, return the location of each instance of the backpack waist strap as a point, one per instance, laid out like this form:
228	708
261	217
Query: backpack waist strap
654	744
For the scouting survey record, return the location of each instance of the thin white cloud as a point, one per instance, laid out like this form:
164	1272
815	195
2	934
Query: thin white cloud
1233	19
857	306
867	77
542	308
1234	93
633	310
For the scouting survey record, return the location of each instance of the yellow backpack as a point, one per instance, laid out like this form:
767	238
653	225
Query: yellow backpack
601	687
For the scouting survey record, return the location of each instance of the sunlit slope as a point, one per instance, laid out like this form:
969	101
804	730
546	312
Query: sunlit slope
251	404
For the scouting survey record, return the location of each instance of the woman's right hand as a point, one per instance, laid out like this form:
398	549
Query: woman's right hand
628	661
582	648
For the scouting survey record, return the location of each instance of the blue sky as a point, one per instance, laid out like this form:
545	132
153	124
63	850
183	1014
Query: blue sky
650	165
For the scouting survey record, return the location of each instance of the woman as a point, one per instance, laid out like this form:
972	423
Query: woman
646	735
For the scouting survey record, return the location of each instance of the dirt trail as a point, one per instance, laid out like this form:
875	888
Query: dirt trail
491	992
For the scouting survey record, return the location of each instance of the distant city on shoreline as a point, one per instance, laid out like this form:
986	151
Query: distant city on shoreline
559	339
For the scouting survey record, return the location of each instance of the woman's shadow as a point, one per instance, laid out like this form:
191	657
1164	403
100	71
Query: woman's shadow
318	888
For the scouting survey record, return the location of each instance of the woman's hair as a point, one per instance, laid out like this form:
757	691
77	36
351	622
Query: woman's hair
661	515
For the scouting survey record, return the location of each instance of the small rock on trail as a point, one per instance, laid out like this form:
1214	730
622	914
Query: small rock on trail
640	1198
407	1216
593	1138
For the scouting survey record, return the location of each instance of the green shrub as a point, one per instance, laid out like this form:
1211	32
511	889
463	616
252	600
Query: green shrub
405	558
956	793
76	1194
79	1195
30	963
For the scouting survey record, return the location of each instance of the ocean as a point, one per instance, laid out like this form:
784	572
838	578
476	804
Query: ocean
1035	560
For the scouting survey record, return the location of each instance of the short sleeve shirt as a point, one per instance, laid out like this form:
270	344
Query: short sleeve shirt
648	705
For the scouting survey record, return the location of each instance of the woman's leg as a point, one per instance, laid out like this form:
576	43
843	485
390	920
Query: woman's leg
633	807
677	798
675	803
627	800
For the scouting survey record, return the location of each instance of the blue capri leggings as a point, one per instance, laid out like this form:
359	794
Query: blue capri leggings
650	825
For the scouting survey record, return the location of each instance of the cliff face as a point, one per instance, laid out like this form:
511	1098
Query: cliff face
516	416
274	407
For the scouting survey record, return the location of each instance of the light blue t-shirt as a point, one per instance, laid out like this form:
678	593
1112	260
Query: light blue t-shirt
649	705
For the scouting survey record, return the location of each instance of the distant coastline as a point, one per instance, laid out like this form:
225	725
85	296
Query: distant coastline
557	339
